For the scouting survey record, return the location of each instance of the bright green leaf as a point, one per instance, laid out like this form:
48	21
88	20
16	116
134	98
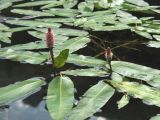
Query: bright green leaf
96	97
34	3
69	3
149	95
86	7
60	60
33	23
60	97
123	101
18	90
150	75
86	72
157	117
31	12
82	60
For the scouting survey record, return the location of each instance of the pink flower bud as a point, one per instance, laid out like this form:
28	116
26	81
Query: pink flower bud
108	54
50	38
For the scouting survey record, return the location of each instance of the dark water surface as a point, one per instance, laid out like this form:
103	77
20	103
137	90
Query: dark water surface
33	107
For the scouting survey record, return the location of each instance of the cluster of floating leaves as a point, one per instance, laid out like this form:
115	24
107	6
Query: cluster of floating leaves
72	22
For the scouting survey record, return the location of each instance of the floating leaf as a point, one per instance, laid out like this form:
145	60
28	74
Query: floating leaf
41	35
69	3
61	20
85	72
53	4
34	3
60	97
138	2
32	23
157	117
102	4
3	27
86	7
150	75
5	5
31	12
63	12
73	44
142	9
93	100
67	32
23	56
4	37
92	24
149	95
27	46
18	90
143	34
82	60
18	29
123	101
61	58
157	37
155	44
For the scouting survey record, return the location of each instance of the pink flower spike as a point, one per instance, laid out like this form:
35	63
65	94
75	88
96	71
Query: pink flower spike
50	38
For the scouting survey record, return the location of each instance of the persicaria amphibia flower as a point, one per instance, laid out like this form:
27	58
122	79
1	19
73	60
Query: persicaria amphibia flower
108	54
50	38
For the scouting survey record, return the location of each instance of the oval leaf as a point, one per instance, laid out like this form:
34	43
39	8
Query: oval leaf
93	100
60	97
18	90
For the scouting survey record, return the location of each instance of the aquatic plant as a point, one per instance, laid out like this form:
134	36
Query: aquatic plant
73	23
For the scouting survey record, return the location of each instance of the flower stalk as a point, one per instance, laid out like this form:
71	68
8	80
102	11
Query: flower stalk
50	40
108	56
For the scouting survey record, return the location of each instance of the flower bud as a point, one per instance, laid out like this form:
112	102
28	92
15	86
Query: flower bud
50	38
108	54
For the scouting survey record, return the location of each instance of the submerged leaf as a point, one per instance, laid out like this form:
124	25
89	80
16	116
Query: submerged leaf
60	97
96	97
18	90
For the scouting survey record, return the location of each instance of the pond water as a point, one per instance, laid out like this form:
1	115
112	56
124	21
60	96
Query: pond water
33	107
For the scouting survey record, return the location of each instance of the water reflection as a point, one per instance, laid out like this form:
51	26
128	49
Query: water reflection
21	111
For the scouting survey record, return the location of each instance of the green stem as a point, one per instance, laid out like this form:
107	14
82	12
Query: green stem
110	68
52	58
